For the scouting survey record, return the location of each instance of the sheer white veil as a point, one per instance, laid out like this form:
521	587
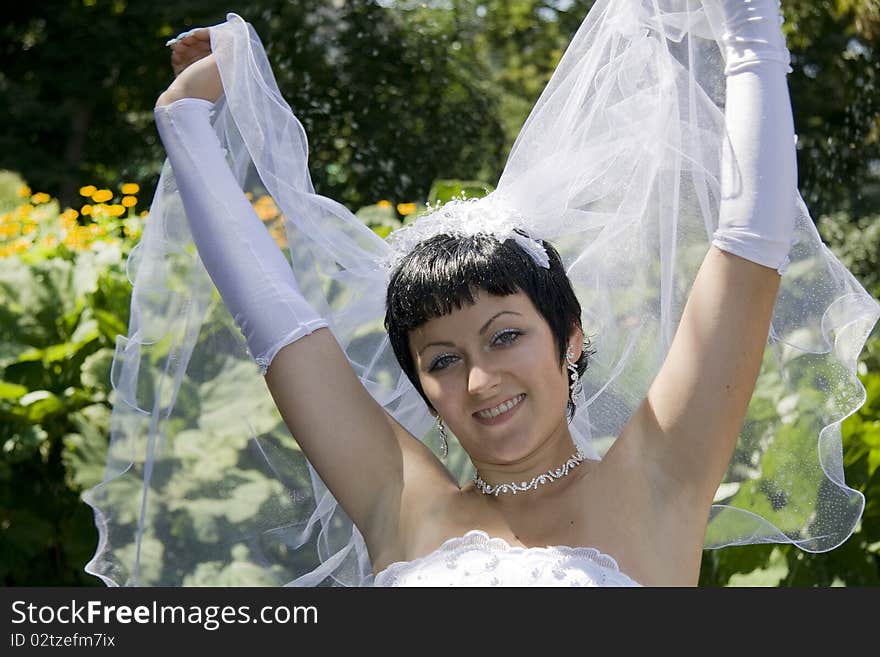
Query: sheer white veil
617	166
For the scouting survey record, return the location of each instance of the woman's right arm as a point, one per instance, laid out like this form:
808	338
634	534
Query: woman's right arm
361	454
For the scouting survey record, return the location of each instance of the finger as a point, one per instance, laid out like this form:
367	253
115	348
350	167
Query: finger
201	34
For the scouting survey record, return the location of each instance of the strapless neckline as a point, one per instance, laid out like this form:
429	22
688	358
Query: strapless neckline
501	545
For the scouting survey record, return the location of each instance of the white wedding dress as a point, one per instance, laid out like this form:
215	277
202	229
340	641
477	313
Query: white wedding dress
476	559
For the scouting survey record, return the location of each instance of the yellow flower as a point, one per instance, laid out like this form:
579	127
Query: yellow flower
23	211
88	190
102	195
116	210
131	188
143	213
49	241
406	208
68	215
28	229
249	196
5	218
384	204
24	190
76	238
86	210
265	208
40	197
129	201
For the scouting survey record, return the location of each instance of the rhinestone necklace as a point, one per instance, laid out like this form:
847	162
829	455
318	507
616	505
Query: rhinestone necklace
550	476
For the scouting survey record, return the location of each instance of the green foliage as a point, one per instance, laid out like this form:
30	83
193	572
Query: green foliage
55	353
857	244
835	90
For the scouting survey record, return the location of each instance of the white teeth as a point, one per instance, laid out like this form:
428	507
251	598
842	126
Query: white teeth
501	408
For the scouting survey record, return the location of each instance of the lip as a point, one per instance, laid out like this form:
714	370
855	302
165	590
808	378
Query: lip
499	419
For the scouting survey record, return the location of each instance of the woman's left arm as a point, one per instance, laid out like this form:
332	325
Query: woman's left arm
689	422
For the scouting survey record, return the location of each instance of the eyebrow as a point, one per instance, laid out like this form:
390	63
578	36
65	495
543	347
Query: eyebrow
482	330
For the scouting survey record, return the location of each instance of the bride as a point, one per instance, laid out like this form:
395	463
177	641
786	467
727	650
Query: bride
482	314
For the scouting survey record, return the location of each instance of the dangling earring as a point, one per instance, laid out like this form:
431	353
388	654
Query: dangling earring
576	387
444	447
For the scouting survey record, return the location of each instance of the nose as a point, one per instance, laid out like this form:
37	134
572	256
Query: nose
482	379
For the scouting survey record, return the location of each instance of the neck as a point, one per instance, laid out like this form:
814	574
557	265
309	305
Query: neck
552	456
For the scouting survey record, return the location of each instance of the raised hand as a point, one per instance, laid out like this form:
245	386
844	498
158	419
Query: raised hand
188	48
196	74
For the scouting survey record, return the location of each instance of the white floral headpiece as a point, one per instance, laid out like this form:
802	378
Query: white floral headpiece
466	216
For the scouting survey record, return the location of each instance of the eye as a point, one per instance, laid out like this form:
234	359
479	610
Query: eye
506	337
441	362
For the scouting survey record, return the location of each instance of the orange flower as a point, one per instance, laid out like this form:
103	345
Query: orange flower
40	197
131	188
88	190
86	210
102	195
129	201
24	190
384	204
406	208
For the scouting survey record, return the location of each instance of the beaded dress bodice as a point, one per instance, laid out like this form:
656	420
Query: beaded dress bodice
476	559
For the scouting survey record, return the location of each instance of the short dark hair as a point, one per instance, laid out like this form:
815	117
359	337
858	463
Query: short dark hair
446	271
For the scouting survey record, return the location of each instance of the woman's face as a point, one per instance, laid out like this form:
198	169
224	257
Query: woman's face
492	372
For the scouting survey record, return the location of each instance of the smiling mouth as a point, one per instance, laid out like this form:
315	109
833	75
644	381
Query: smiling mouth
501	409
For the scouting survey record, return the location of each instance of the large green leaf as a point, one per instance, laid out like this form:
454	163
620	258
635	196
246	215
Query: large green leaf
444	190
234	395
95	370
85	452
11	390
23	442
39	405
241	572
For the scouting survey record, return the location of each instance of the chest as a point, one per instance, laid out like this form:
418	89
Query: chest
654	535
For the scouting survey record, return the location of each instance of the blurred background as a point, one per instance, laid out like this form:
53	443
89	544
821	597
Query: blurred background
80	158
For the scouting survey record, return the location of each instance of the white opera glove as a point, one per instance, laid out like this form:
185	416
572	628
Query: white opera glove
749	32
759	167
252	275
